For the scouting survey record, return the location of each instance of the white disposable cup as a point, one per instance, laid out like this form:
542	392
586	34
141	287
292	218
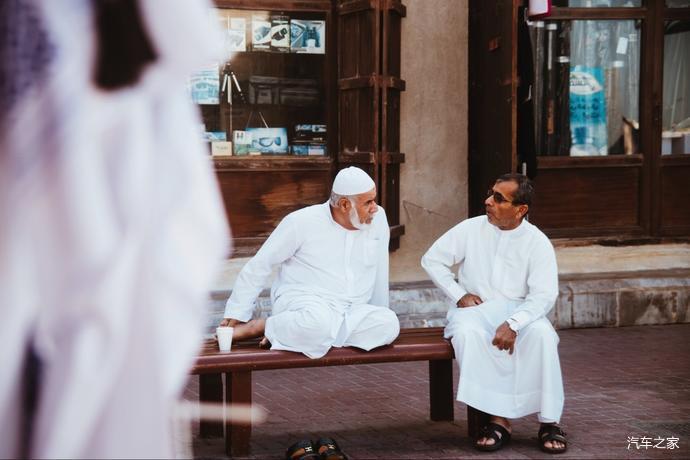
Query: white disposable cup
224	335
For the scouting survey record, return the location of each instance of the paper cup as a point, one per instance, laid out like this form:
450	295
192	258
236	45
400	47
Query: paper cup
224	335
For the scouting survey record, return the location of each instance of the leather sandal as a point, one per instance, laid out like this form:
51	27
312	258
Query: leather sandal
552	432
332	449
307	448
494	431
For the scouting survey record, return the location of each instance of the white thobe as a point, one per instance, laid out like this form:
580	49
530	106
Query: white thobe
112	231
515	274
331	288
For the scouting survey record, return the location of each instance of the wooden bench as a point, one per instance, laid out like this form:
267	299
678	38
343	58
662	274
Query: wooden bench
424	344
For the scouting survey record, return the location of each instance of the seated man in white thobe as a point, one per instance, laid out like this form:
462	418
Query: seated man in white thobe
505	346
332	284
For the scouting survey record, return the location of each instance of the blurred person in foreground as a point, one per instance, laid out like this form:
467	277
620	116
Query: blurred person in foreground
332	285
112	225
506	348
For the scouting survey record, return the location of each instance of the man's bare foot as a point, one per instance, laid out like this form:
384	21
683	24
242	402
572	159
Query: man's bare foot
502	421
252	329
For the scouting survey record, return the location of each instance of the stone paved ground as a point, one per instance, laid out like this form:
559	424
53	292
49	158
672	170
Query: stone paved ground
619	382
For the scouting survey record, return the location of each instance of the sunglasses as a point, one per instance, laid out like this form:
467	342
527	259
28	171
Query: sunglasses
498	198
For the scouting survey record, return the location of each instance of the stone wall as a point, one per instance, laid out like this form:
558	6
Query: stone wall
628	299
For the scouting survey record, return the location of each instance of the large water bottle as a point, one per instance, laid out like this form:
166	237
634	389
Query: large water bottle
587	111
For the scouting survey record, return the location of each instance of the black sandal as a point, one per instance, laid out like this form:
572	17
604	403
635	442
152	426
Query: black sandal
332	451
492	431
551	432
309	452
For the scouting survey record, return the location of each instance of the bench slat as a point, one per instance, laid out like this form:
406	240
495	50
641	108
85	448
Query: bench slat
420	344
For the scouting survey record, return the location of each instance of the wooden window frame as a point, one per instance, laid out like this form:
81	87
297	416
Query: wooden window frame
660	212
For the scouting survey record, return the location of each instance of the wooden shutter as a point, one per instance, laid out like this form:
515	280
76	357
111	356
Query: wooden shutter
492	96
369	87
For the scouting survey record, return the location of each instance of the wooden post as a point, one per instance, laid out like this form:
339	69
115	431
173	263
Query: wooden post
441	389
476	419
211	391
238	389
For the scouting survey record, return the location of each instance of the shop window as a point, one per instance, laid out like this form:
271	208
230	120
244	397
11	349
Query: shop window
676	93
586	87
266	98
291	102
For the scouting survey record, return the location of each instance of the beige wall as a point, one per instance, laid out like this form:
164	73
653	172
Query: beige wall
433	128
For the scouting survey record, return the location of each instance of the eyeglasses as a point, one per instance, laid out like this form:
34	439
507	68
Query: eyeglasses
498	198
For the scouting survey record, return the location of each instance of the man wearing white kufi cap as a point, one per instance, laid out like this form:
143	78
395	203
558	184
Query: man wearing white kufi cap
332	284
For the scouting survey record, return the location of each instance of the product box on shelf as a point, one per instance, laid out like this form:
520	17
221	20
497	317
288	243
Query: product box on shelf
307	36
270	141
236	35
280	33
241	142
261	33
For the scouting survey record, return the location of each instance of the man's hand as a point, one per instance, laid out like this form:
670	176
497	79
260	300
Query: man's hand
505	338
229	322
469	300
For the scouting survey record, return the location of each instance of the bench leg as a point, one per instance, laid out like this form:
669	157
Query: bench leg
210	391
476	419
441	389
238	389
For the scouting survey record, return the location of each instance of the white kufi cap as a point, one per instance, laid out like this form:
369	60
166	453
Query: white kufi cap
352	181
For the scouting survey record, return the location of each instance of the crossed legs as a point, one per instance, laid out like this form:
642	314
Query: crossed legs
312	328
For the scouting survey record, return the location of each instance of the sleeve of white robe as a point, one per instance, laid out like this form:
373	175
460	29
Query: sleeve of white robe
441	256
280	246
380	295
542	283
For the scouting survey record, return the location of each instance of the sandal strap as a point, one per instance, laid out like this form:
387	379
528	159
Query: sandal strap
304	444
331	446
492	430
552	433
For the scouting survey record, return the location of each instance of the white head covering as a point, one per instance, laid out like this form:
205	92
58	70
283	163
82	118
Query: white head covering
352	181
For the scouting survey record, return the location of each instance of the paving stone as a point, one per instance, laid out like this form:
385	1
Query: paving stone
620	382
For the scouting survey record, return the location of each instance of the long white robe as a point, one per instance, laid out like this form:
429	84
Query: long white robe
112	231
515	274
331	289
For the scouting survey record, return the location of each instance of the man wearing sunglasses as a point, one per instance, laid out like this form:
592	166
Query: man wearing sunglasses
505	346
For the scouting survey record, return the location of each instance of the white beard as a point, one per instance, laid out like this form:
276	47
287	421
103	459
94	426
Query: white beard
354	219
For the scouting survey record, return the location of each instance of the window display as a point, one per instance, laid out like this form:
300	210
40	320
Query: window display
586	88
267	98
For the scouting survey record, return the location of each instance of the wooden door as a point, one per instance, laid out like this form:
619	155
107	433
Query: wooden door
492	96
369	86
